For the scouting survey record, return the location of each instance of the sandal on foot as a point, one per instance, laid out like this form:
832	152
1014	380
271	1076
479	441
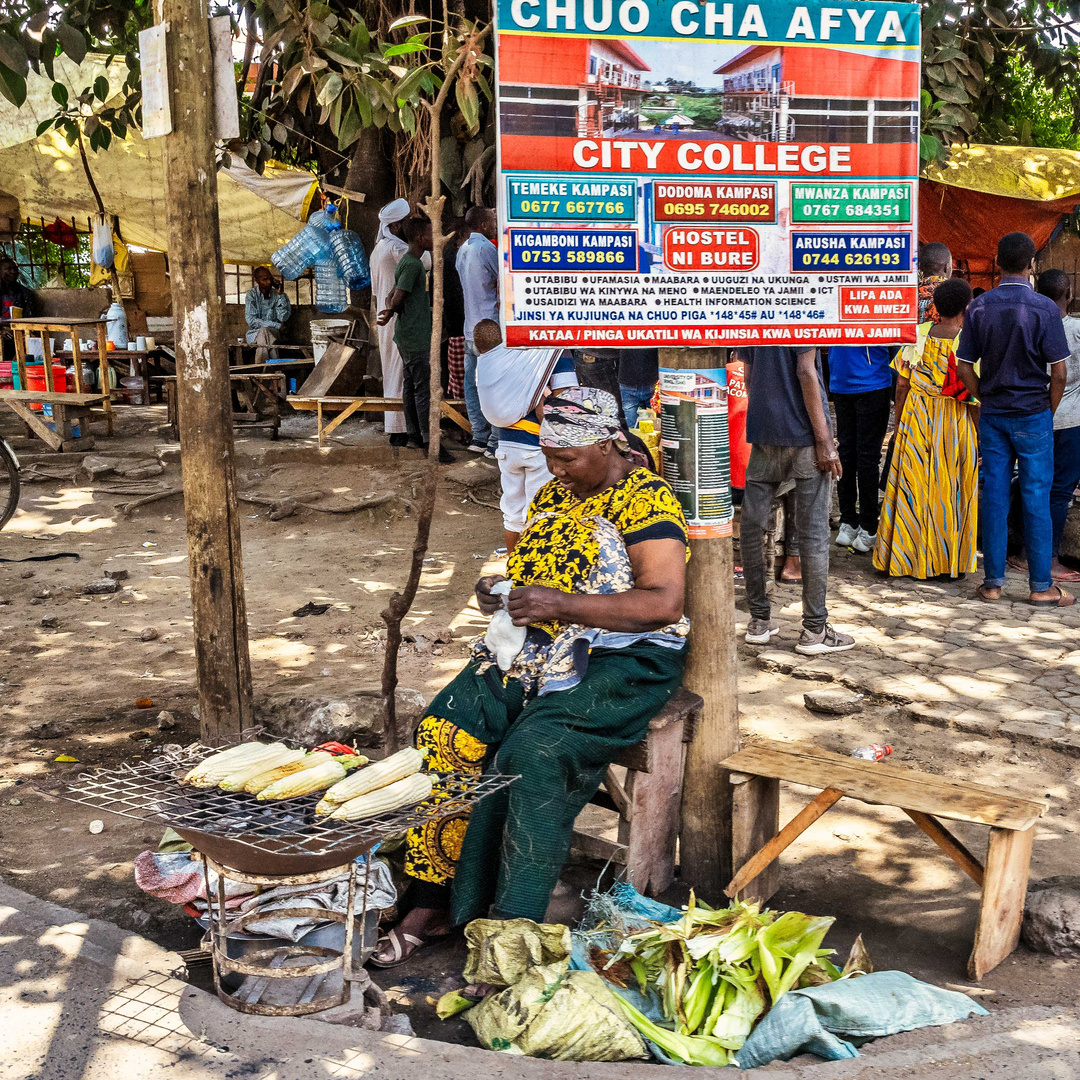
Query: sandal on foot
1063	599
980	595
400	947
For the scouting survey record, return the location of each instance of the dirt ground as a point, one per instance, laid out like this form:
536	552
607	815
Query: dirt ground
72	667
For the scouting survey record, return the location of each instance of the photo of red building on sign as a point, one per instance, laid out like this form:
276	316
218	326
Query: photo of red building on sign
589	88
789	94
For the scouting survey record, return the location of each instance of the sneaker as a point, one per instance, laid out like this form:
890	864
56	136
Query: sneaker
864	541
477	448
761	631
846	536
827	641
489	454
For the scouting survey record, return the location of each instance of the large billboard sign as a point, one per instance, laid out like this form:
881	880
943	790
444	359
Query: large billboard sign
702	173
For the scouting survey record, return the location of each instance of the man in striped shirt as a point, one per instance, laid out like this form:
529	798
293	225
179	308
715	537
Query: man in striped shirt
522	466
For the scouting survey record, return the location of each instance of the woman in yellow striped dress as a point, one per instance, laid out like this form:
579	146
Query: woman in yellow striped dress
929	517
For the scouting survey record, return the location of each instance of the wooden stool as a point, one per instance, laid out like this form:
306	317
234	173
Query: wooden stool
648	803
758	770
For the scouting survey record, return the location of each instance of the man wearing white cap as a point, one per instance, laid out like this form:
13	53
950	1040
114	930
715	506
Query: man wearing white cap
385	256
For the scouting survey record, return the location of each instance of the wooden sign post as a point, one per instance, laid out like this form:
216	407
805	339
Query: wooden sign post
705	833
202	367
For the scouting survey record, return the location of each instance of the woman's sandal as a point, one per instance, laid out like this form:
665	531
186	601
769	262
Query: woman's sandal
399	942
980	595
1063	600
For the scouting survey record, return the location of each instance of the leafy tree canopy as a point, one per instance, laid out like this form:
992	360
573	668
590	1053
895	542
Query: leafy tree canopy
1007	71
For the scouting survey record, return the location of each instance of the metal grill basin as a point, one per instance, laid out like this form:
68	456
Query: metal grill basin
234	828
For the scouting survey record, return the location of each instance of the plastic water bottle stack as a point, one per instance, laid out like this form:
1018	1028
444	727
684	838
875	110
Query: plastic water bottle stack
338	255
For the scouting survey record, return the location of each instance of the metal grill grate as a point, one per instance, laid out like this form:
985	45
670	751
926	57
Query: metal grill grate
150	791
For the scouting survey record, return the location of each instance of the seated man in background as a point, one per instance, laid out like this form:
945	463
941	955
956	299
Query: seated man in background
266	309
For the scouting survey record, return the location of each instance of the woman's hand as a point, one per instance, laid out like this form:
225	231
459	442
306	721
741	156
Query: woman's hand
536	603
487	603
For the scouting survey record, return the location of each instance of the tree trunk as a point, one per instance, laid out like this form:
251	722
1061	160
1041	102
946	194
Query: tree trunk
371	172
203	392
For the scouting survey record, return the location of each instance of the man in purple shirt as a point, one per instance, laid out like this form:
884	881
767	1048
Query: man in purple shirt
1017	338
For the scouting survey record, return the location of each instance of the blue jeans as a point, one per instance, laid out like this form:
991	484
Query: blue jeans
634	398
1028	442
1066	477
483	434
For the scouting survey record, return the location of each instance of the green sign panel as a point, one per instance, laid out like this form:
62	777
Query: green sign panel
826	203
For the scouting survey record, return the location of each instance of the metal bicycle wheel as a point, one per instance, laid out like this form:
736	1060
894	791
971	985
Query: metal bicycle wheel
9	483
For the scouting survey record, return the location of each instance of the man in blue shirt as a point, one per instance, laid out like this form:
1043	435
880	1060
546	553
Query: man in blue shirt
266	309
1017	338
478	270
860	380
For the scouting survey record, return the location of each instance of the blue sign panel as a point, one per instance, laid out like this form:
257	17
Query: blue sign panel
574	250
846	253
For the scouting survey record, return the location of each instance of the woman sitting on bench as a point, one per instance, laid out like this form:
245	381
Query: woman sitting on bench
599	575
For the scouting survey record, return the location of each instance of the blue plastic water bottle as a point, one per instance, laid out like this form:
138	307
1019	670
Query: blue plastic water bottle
308	247
349	250
331	295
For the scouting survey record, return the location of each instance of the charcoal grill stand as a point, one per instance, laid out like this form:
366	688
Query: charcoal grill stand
273	963
267	843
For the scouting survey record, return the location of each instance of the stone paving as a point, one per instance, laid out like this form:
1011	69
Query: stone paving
945	657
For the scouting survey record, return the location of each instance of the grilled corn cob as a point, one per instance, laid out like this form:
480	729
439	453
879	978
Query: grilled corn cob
212	770
396	767
239	776
306	781
303	761
407	792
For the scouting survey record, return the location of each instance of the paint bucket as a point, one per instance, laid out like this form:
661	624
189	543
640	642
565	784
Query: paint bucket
323	331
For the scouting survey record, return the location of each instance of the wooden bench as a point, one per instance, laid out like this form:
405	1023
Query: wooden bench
923	797
649	800
66	408
346	406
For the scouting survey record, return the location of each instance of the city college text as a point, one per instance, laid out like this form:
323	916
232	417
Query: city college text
719	157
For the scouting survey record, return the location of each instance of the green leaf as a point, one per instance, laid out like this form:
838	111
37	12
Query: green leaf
468	103
12	86
403	49
987	51
71	41
349	131
44	126
951	92
329	89
60	94
12	54
996	16
363	106
930	148
101	88
120	130
408	119
359	38
408	20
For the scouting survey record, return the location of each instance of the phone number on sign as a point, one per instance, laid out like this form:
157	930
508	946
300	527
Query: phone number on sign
891	259
852	210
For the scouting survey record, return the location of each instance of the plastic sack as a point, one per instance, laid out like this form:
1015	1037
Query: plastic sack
503	638
546	1011
509	381
501	951
815	1020
558	1015
101	246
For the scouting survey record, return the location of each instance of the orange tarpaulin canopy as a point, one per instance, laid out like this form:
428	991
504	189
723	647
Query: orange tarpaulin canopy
984	192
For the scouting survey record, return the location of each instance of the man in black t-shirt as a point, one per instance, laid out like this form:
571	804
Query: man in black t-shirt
787	425
14	297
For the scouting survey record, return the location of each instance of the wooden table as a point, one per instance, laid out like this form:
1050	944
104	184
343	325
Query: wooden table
257	394
23	329
346	406
923	797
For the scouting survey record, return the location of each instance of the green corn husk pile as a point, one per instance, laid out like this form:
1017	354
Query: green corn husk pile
716	972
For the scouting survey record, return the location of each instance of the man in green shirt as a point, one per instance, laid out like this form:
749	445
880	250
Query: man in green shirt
412	332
